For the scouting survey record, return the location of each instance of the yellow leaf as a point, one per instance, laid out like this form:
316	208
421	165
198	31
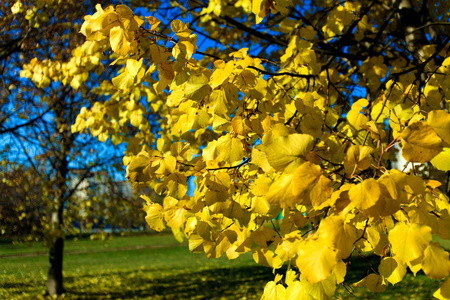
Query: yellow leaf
17	7
136	118
321	193
376	241
407	186
355	117
273	291
316	260
323	290
312	123
366	197
175	98
280	192
444	223
174	216
155	217
159	55
166	72
240	125
170	164
420	143
440	121
304	178
218	247
409	241
183	50
153	21
291	275
133	66
295	291
119	42
176	184
376	110
139	170
230	209
219	102
221	74
226	149
259	158
389	204
98	26
357	159
442	160
218	181
261	186
339	271
243	244
288	152
263	256
178	26
337	235
415	265
196	243
124	11
392	269
436	263
308	33
197	87
258	8
264	236
178	234
260	205
212	197
373	282
124	81
443	293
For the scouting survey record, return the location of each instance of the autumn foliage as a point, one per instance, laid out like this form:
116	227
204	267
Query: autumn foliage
307	127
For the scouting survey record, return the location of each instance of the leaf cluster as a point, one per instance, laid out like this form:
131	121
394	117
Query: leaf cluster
297	111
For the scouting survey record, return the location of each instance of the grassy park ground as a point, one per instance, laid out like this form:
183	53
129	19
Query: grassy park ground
158	267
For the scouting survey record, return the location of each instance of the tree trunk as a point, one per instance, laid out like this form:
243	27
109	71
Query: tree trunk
55	276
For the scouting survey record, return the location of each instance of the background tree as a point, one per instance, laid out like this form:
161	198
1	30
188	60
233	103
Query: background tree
292	107
47	76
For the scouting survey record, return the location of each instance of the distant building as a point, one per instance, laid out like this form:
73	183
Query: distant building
106	205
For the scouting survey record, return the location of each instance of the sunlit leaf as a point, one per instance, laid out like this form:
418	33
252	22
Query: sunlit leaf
273	291
443	293
420	143
155	217
436	263
392	269
366	197
316	260
288	152
409	241
440	121
442	160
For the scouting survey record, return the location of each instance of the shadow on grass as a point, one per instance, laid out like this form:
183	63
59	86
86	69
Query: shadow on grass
419	287
215	283
13	285
228	283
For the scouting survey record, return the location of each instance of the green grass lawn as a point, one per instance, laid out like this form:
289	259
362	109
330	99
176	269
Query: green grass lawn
157	267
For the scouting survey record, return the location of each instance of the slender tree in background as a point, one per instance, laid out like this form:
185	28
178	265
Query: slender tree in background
292	107
47	76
